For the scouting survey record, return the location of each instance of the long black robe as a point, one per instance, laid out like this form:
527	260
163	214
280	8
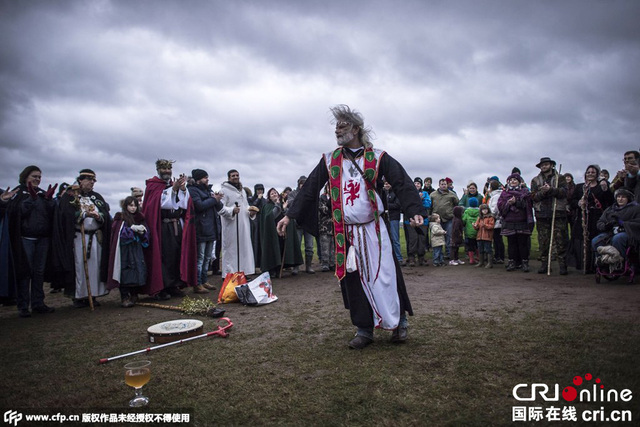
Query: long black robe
271	244
597	201
305	211
7	277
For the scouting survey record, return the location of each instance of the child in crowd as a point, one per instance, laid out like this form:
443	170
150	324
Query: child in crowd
468	219
484	225
457	235
437	239
129	235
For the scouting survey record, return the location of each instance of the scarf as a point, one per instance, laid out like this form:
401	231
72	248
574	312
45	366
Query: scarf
335	189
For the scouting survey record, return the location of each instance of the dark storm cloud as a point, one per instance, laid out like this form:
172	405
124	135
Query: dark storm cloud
463	89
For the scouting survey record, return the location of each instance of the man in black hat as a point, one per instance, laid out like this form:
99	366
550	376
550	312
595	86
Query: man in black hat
205	205
308	237
549	191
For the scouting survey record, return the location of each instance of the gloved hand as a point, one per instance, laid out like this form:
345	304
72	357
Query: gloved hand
49	194
139	228
32	191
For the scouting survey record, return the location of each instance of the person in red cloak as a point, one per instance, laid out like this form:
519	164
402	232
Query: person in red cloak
172	256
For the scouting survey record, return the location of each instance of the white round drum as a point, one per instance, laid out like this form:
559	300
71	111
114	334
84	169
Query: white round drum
174	330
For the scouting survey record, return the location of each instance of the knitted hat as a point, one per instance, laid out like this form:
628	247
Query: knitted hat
449	180
514	175
473	202
624	192
417	179
302	180
198	174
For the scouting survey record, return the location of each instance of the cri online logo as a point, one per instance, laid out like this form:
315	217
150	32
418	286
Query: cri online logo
596	393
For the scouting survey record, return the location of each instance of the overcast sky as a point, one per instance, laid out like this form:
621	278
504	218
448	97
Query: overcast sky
464	89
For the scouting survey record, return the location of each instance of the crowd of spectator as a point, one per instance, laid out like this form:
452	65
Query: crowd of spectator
170	235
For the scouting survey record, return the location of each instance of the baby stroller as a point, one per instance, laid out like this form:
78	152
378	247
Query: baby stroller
611	265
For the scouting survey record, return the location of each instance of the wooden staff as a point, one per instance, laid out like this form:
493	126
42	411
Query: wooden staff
284	250
553	223
585	231
238	236
154	305
86	265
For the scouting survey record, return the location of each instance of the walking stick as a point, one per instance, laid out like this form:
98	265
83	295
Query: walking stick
221	332
553	223
284	250
86	265
585	231
238	237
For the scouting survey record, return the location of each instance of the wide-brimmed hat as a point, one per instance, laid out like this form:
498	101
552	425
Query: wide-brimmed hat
545	160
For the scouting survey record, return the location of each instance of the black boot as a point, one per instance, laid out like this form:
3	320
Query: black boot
563	269
307	265
511	265
543	267
525	265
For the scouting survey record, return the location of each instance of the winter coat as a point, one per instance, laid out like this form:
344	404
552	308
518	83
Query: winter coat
443	203
615	216
205	206
516	218
464	200
470	216
437	234
485	228
543	202
36	215
393	205
457	227
494	196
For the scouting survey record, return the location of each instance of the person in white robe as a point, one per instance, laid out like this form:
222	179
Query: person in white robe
236	216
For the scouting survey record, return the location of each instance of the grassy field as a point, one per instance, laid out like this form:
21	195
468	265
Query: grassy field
288	364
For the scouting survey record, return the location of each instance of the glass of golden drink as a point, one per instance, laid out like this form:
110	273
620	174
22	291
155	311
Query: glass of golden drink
136	375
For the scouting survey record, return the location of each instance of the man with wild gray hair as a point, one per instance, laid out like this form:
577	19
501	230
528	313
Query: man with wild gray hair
370	278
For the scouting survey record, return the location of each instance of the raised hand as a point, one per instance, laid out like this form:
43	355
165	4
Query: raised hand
50	191
7	195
